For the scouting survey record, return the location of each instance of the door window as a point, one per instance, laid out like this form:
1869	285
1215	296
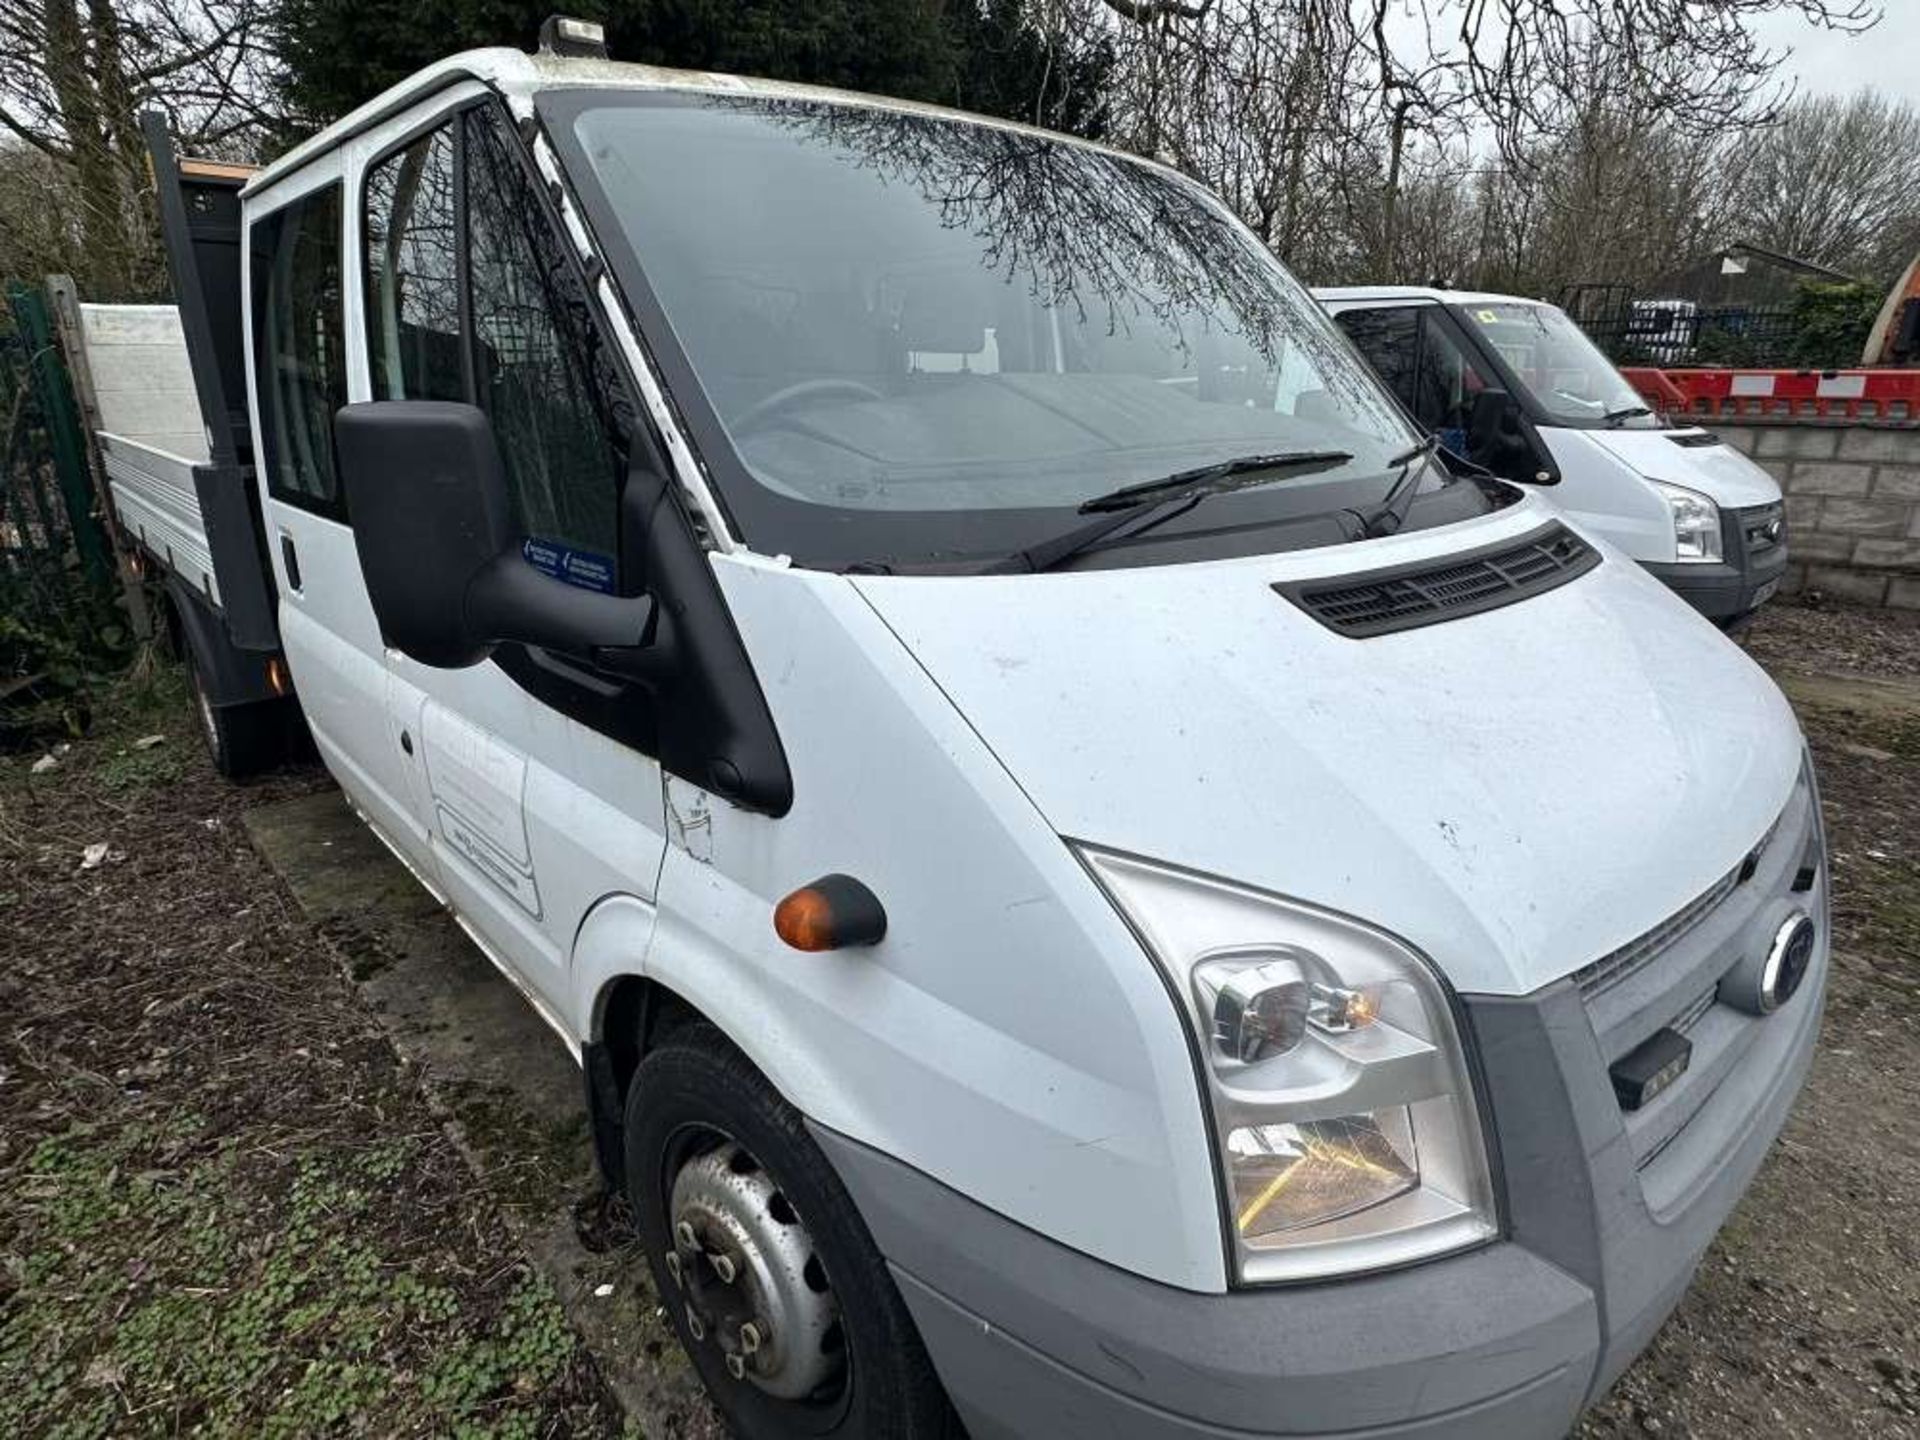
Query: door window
539	368
413	273
300	349
1449	379
1389	341
1422	358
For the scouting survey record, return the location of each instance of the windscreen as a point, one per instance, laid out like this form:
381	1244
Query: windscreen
1568	376
920	318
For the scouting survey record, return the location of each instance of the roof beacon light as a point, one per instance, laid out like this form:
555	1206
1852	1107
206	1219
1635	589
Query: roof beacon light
574	39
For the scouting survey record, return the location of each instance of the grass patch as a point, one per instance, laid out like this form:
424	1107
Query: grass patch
157	1289
226	1207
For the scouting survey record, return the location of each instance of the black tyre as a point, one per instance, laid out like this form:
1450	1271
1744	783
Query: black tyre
774	1285
243	740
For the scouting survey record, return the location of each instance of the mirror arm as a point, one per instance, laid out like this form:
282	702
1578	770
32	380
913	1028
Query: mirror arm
510	601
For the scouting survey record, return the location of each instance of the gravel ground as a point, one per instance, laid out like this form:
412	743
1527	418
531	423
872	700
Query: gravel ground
1837	640
226	1206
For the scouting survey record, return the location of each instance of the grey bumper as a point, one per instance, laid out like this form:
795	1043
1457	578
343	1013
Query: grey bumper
1607	1215
1033	1339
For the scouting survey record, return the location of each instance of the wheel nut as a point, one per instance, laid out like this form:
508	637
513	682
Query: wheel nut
749	1338
736	1367
684	1236
696	1327
673	1267
723	1267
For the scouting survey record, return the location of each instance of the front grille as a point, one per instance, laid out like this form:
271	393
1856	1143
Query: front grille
1425	594
1627	961
1762	527
1690	1017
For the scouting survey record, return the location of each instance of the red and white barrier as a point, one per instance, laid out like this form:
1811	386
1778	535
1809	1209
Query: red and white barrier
1781	394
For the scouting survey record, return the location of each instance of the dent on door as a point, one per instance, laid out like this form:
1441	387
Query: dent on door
477	785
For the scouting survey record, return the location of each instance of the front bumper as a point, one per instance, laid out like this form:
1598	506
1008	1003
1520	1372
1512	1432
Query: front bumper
1754	543
1607	1215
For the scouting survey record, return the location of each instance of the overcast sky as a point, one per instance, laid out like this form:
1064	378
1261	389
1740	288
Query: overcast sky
1824	63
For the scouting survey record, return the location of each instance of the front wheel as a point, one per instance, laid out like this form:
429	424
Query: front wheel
775	1287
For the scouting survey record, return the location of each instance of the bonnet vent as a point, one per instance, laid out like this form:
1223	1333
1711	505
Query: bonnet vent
1427	593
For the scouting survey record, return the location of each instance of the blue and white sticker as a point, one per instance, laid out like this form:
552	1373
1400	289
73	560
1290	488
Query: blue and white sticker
577	567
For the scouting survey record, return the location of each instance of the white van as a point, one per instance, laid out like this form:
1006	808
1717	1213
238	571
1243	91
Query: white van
1098	890
1519	387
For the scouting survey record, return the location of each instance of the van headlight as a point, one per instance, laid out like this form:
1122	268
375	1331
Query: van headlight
1348	1137
1696	522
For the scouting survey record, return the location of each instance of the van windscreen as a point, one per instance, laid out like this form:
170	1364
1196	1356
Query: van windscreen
915	335
1570	380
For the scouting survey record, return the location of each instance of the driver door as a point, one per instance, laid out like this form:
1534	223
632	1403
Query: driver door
535	781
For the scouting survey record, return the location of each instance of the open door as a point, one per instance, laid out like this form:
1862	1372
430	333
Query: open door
199	205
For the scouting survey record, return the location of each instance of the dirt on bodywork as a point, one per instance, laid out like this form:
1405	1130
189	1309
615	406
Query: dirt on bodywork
229	1206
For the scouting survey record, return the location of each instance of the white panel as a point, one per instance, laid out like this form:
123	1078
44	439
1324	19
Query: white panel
142	379
154	496
132	325
1753	386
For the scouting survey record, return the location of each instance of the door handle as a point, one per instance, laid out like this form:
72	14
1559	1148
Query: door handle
291	558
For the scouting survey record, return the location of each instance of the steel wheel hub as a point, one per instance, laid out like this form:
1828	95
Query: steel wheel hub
748	1275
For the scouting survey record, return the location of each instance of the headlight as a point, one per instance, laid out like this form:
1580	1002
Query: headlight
1696	522
1347	1131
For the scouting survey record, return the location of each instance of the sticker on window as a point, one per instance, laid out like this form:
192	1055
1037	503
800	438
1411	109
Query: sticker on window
576	567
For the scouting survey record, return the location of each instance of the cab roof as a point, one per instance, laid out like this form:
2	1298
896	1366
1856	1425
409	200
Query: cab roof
1422	293
518	76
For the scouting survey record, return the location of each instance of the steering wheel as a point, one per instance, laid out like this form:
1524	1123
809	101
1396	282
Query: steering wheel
758	413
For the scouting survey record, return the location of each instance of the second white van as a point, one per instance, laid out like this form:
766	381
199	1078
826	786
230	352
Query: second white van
1517	386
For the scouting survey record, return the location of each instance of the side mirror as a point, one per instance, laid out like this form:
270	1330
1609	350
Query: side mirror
1502	438
441	556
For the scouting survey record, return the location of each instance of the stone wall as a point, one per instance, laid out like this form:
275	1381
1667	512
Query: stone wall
1853	503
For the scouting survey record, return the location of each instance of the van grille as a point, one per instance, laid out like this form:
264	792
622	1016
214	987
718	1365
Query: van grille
1425	594
1626	962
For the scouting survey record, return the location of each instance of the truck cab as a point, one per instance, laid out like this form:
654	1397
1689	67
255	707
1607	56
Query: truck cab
1516	384
1098	881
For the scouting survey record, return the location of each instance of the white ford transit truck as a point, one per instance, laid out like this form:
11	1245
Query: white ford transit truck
1517	386
1098	887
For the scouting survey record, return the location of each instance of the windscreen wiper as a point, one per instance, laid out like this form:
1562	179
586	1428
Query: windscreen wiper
1628	412
1388	516
1154	502
1182	482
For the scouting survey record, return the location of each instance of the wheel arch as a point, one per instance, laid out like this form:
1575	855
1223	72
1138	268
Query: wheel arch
232	676
632	1014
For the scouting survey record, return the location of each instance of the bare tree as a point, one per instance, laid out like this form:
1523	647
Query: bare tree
74	76
1832	182
1370	97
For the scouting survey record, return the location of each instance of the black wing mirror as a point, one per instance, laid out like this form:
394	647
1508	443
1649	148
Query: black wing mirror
442	557
1502	438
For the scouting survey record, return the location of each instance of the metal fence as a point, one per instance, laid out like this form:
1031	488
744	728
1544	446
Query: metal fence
60	620
1649	332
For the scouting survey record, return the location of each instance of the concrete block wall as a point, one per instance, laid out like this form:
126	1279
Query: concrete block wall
1853	503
